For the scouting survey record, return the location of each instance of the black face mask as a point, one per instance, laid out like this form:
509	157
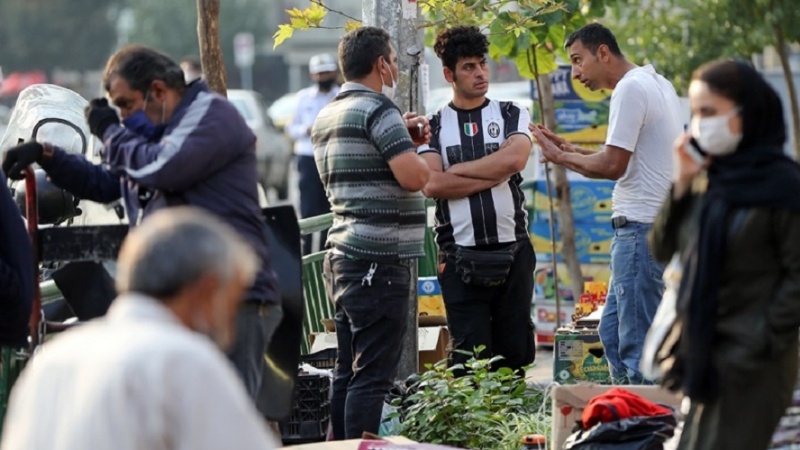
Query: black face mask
325	85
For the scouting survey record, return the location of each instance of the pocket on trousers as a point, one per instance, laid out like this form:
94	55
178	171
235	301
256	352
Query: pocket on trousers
367	291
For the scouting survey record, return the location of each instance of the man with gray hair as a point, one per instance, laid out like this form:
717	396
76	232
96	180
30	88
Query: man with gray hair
149	374
177	144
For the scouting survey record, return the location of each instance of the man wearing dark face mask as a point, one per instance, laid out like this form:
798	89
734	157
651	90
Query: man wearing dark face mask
180	145
313	201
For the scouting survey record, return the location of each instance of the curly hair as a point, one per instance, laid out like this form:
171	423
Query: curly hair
460	42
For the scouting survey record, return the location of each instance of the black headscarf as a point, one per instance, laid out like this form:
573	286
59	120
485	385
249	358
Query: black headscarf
757	174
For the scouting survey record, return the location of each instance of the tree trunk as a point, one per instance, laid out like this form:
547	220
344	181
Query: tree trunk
405	35
780	45
566	222
210	49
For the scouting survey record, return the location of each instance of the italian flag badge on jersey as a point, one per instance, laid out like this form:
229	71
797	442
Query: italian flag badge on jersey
471	129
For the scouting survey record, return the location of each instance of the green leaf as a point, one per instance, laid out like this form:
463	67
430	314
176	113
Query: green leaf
284	32
545	62
351	25
315	13
501	43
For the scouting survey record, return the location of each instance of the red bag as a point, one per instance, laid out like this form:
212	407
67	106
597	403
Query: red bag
616	404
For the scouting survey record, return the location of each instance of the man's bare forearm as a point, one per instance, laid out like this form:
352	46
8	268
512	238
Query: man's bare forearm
593	165
448	186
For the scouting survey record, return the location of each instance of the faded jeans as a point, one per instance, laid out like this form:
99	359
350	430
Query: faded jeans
634	293
371	300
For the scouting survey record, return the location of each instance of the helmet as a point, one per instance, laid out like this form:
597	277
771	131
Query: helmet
55	204
322	63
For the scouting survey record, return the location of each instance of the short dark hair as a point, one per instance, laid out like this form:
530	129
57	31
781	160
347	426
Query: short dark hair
592	36
459	42
139	66
760	106
359	49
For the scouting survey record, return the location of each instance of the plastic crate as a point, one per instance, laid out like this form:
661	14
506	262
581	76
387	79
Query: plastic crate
311	411
325	359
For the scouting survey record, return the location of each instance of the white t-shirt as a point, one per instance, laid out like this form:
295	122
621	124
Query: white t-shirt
645	119
135	379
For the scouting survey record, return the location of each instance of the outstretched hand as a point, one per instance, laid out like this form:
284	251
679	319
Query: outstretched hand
552	145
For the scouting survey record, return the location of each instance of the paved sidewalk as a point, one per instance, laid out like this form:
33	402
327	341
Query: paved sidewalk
542	371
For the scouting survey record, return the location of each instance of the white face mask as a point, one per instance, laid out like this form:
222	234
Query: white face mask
388	91
714	135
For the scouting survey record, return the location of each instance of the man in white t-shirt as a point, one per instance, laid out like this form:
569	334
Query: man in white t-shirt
644	120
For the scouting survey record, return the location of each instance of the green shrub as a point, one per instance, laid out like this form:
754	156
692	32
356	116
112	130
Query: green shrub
483	409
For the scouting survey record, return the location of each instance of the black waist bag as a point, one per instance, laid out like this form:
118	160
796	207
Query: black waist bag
485	268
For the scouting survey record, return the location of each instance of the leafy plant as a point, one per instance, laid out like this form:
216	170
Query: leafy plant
484	409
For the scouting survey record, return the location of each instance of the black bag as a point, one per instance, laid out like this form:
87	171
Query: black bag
485	268
633	433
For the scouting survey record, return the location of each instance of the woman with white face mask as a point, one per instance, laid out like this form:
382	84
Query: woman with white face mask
733	221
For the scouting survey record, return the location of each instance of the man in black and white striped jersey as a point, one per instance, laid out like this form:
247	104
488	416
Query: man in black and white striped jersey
477	149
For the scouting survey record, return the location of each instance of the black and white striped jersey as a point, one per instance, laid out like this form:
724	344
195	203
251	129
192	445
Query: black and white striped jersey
493	216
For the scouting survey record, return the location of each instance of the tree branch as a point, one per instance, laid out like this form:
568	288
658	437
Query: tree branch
319	2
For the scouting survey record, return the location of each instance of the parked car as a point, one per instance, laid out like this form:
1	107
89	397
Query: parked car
282	110
273	149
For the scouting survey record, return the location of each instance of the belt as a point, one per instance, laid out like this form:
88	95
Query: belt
620	222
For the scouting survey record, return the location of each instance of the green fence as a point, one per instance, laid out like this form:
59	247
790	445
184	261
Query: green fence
318	306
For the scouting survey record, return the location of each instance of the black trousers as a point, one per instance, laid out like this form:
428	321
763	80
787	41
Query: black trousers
313	201
498	318
371	311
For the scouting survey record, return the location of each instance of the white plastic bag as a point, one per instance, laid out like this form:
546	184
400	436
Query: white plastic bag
663	321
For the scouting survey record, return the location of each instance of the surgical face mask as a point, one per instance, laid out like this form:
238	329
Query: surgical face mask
140	124
325	85
714	135
388	91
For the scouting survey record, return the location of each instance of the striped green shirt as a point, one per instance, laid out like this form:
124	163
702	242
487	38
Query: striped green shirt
355	136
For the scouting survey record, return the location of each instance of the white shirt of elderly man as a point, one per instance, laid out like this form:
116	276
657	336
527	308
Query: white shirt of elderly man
150	374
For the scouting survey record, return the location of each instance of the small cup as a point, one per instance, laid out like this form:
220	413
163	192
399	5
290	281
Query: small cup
417	132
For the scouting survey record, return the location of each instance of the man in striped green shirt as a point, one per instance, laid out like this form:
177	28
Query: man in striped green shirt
372	175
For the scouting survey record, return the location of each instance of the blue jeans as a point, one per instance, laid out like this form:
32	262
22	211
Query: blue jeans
634	293
371	312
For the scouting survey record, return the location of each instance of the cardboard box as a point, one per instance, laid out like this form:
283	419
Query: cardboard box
351	444
322	341
429	294
432	344
592	242
569	402
575	357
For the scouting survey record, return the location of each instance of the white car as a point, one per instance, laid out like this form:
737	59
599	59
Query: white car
282	110
273	149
